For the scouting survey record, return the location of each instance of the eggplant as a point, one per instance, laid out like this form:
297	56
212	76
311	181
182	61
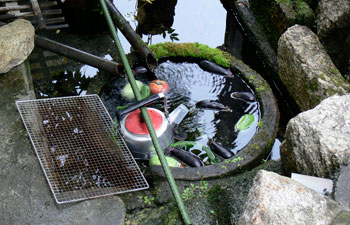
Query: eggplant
211	104
220	150
244	95
185	157
139	70
214	68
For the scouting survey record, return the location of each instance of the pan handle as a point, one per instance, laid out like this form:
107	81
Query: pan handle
139	104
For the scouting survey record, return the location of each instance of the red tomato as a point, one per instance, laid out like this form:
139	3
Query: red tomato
159	86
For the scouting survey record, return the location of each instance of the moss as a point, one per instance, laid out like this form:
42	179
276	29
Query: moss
313	84
261	88
273	22
305	15
251	78
172	216
322	76
255	147
334	70
195	50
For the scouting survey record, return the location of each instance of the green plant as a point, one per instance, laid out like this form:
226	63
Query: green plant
237	159
148	1
173	36
191	191
283	1
188	193
147	200
224	167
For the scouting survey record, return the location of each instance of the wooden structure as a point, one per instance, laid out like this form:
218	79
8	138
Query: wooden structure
43	14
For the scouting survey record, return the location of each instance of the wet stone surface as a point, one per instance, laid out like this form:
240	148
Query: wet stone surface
25	195
215	201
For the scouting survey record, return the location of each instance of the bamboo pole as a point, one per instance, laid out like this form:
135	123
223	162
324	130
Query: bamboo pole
143	52
147	119
78	55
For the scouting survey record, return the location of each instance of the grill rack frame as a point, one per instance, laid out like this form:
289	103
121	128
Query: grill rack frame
67	196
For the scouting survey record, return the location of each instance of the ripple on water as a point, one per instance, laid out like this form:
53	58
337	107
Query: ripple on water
190	84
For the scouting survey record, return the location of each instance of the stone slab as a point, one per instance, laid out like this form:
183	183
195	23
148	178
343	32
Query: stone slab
25	197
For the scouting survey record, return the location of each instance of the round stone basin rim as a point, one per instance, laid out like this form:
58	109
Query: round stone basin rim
260	145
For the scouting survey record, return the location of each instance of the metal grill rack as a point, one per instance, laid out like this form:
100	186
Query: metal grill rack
42	14
79	148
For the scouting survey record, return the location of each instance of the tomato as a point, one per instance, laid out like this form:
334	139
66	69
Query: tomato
159	86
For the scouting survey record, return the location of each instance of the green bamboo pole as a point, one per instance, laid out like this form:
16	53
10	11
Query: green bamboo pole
147	119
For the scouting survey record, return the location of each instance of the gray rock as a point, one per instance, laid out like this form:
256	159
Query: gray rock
16	43
333	26
342	187
306	69
274	199
317	141
332	15
25	197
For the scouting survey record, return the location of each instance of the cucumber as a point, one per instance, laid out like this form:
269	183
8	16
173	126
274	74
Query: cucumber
145	91
190	144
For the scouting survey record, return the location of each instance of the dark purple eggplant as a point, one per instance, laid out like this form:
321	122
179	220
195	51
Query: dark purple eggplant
211	104
214	68
184	156
245	96
220	150
139	70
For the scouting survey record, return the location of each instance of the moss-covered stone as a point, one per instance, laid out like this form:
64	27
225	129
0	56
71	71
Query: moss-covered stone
195	50
275	16
250	155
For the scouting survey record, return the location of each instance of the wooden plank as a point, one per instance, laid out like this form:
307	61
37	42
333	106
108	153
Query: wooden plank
52	12
20	7
8	0
52	20
30	14
55	20
13	7
20	15
12	4
38	15
59	26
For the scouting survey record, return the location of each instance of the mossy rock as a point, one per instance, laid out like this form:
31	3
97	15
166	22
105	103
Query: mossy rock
275	16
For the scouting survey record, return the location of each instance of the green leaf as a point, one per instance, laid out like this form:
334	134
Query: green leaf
245	122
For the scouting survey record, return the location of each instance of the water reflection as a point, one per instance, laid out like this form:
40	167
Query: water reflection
193	22
189	84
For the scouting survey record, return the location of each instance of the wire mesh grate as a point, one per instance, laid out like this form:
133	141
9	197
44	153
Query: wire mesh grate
79	148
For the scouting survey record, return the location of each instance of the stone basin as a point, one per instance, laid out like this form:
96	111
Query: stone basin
259	146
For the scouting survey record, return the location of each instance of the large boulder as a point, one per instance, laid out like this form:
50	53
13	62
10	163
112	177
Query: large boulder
306	69
333	26
317	141
16	43
275	199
